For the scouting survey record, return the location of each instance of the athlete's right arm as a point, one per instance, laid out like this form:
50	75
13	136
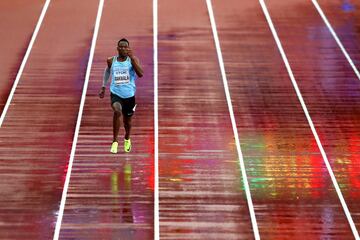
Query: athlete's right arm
105	78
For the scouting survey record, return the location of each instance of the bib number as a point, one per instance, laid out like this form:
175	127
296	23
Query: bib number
121	76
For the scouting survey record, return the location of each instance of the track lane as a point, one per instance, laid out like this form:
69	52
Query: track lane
36	136
201	195
111	196
344	18
292	191
330	89
17	24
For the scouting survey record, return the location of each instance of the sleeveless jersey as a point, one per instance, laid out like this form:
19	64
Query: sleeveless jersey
123	78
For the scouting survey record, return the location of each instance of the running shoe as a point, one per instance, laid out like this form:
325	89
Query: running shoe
127	145
114	147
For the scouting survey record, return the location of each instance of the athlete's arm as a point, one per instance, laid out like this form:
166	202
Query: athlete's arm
135	63
105	77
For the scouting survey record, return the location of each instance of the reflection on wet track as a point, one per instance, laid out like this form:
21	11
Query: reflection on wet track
288	178
330	88
36	136
111	196
200	184
199	179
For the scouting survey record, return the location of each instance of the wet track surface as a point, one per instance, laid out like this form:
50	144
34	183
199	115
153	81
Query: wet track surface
284	164
17	23
200	181
331	91
36	136
111	195
201	190
345	20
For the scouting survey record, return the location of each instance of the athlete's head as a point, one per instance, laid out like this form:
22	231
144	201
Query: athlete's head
122	46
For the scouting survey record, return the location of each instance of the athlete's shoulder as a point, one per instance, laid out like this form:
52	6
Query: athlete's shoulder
109	61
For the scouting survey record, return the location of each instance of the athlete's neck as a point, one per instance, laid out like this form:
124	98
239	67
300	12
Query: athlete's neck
121	58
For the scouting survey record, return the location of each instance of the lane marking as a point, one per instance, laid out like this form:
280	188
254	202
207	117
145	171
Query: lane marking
78	123
233	122
298	93
156	124
23	63
318	8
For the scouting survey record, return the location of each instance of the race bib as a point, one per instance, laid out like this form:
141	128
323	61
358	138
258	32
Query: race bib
121	76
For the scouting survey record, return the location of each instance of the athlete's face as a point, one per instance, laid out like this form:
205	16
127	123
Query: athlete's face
122	48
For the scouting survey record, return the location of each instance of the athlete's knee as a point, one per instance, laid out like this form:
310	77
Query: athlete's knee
117	108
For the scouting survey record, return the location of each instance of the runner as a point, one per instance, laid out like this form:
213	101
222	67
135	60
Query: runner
123	69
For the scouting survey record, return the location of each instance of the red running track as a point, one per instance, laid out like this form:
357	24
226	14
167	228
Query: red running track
200	181
330	88
111	196
200	184
288	177
36	136
345	19
17	23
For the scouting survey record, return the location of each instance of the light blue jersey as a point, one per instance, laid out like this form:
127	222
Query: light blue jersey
123	78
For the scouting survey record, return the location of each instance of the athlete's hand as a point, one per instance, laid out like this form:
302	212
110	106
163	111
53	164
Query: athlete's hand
102	92
130	52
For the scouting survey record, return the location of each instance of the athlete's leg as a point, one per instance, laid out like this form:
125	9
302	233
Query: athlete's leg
128	111
127	125
116	106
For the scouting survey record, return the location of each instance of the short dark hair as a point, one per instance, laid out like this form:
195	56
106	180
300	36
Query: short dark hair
123	40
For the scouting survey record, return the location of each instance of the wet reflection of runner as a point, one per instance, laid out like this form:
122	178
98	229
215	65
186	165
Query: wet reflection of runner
123	69
122	201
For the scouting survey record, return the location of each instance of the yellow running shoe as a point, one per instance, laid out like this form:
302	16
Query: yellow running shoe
127	145
114	147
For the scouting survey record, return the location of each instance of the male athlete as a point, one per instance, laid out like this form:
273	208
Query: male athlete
123	70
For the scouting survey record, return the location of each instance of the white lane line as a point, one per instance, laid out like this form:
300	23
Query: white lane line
233	122
298	93
23	63
318	8
156	124
78	123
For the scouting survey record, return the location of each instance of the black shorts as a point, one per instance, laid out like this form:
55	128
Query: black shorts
127	104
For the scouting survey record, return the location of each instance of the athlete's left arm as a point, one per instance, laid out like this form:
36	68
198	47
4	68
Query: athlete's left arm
135	63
